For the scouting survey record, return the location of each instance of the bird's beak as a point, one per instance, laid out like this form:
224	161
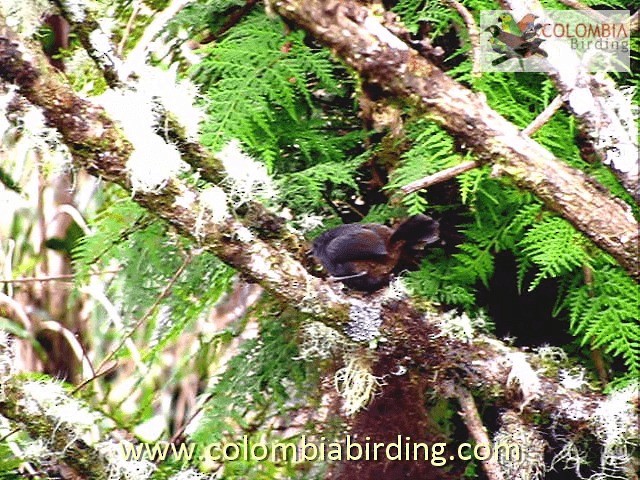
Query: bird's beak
347	277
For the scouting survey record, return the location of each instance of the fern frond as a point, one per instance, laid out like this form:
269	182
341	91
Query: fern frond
200	286
415	12
432	150
474	262
605	315
469	182
437	280
112	226
555	247
305	189
252	74
263	376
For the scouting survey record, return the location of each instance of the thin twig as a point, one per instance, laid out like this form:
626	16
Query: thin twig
53	278
178	433
596	353
74	344
478	432
12	432
128	28
474	35
544	116
98	294
98	374
136	56
439	177
448	173
150	311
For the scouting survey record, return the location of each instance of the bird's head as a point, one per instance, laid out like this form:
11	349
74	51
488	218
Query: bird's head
417	231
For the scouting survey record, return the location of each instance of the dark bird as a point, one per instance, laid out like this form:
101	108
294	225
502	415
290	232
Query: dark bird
365	255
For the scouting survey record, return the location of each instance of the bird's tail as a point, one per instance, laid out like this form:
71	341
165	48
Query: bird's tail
419	229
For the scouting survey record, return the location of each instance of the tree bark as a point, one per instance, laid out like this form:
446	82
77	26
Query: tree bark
594	101
369	45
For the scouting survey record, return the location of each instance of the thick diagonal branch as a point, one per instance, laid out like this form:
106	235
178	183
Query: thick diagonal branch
360	39
604	114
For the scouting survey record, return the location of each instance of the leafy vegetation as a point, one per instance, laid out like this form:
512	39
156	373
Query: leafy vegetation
296	109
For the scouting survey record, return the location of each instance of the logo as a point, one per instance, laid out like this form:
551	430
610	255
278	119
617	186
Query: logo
597	41
513	39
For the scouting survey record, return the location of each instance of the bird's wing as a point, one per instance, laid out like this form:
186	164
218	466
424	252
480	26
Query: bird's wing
500	47
360	244
509	39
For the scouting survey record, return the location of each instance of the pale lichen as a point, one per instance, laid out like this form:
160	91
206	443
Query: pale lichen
76	9
305	222
319	341
365	320
186	199
178	96
191	474
575	410
520	449
6	360
618	138
615	424
244	235
574	379
119	467
246	179
356	385
25	16
50	399
36	450
458	325
581	100
103	50
551	354
397	290
153	162
26	138
523	377
212	207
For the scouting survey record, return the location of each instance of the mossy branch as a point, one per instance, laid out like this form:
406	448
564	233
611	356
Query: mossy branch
100	147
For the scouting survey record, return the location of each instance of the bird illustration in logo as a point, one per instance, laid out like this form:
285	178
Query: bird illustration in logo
526	28
515	39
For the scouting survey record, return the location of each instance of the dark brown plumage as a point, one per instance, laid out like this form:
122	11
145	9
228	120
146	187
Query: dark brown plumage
365	255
